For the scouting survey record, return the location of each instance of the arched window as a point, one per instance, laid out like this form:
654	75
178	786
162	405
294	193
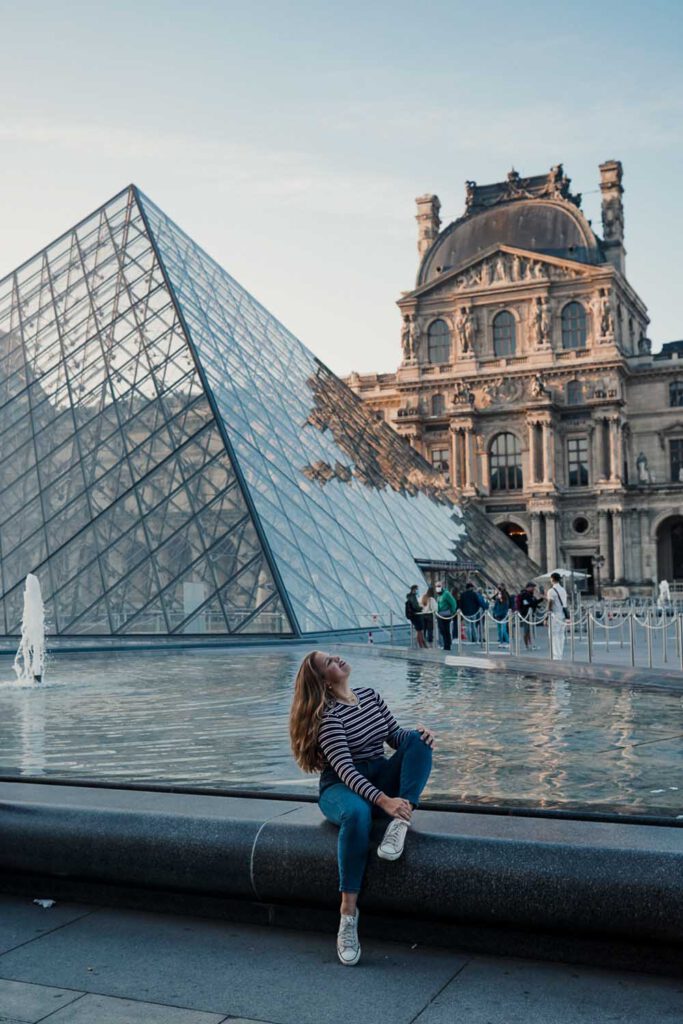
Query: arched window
438	405
573	326
504	341
438	342
574	392
505	463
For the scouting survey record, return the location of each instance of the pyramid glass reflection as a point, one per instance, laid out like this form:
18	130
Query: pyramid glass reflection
173	460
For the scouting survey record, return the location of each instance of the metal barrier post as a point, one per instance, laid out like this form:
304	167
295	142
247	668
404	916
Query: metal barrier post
590	638
680	641
571	637
632	640
665	638
605	622
649	638
458	615
548	626
391	627
621	631
484	621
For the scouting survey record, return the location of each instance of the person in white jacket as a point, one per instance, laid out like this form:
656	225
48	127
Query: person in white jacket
557	620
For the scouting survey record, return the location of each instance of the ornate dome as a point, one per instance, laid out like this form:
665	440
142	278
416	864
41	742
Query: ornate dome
538	214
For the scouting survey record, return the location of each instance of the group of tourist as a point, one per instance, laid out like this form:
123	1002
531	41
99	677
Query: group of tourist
440	603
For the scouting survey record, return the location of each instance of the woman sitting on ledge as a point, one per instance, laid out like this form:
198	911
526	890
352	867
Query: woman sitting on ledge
341	733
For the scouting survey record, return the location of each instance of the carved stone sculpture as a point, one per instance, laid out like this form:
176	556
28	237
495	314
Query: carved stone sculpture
642	469
538	388
541	322
466	326
605	314
499	270
517	268
406	340
463	394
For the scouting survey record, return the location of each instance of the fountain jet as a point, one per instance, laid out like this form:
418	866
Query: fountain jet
29	663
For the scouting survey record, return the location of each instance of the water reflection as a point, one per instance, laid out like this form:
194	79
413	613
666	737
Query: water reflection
215	718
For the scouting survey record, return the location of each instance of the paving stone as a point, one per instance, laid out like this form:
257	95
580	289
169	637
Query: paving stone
267	974
21	920
106	1010
490	991
31	1002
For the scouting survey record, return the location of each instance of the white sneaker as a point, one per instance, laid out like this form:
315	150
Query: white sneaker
394	840
348	946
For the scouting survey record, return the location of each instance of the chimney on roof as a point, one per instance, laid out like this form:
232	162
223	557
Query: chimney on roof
428	221
611	173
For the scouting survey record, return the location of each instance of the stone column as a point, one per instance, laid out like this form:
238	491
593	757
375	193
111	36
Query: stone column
548	453
614	462
598	455
644	517
484	476
618	540
603	534
470	465
551	539
535	538
532	452
455	467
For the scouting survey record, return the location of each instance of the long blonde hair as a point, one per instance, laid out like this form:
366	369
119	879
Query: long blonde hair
305	716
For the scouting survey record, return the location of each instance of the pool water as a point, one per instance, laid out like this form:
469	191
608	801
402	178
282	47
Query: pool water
218	718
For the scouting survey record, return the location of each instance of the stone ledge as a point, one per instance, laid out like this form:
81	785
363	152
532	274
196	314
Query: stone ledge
567	877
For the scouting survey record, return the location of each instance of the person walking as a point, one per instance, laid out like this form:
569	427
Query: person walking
526	605
446	609
341	732
471	604
414	615
429	610
558	614
455	594
501	611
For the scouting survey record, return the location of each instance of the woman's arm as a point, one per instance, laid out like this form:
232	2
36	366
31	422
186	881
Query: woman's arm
335	746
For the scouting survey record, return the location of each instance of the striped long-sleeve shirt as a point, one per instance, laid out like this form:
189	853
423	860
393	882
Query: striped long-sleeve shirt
358	732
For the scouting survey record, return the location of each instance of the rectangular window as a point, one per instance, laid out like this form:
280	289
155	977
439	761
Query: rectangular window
577	461
676	393
676	456
440	459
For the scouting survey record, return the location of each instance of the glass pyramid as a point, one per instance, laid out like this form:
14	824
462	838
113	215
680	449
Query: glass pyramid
173	460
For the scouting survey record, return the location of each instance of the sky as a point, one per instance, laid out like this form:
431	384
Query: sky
290	138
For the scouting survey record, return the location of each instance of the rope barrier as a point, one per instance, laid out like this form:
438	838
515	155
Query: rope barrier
580	628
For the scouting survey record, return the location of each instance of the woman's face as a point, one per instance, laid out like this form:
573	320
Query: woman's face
332	668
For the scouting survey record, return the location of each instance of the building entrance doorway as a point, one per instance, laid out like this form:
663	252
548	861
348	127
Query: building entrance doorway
516	534
584	563
670	549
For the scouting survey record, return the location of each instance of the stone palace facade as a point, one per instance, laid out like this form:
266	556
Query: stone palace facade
528	378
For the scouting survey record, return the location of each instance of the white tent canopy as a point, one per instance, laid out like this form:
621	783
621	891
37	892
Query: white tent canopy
566	574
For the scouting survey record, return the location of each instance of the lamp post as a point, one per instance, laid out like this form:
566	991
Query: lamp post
598	561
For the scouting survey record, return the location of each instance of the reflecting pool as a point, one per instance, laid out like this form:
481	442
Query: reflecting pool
218	718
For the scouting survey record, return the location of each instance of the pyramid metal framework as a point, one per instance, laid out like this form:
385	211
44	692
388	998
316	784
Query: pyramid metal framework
173	460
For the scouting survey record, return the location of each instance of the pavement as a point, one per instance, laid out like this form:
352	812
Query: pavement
78	964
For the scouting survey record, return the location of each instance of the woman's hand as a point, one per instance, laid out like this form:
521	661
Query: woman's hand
395	807
426	735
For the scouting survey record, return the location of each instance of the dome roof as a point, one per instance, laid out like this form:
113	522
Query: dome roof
552	226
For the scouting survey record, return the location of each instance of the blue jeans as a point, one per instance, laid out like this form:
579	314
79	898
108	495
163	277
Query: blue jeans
404	775
503	634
